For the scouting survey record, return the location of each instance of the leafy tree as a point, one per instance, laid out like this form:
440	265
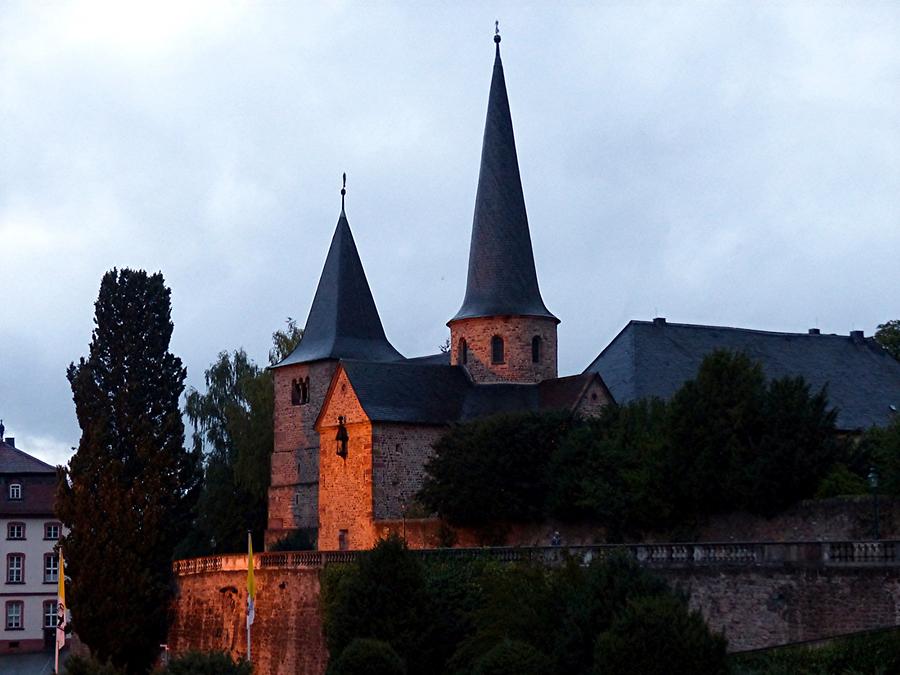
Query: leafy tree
382	598
494	469
233	428
659	635
82	665
207	663
511	657
880	448
365	656
129	490
888	336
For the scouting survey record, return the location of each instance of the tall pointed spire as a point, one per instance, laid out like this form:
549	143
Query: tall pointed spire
502	279
343	321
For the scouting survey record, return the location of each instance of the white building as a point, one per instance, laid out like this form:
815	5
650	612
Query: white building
29	532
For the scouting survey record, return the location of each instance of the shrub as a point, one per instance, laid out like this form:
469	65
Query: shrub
493	469
368	657
382	597
512	657
207	663
659	635
298	540
81	665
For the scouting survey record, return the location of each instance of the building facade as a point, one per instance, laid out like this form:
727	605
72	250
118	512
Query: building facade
29	532
355	421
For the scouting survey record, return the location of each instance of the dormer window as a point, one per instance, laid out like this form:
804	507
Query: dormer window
463	351
15	491
497	355
536	349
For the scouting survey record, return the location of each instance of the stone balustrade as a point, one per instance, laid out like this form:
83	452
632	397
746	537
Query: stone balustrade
675	555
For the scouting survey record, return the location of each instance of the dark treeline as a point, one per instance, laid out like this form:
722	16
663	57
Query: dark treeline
728	440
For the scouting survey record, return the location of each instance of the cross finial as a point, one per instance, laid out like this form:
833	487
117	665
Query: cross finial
497	32
343	190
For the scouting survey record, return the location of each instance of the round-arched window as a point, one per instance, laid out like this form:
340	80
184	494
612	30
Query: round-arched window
497	349
462	352
536	349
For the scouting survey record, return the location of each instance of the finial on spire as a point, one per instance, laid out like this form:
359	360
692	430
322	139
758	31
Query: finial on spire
497	33
343	191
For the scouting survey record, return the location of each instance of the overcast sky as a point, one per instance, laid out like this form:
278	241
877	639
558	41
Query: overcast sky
719	163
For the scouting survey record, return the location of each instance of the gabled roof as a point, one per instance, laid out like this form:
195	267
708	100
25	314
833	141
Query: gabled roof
423	393
15	461
654	358
502	279
343	321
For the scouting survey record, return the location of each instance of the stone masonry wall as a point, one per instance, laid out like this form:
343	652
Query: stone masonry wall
209	614
345	484
517	332
293	495
594	399
399	455
763	607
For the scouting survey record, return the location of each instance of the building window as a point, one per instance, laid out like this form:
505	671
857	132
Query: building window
15	531
15	491
15	566
342	438
51	531
497	349
14	612
300	391
536	349
51	568
50	614
343	540
462	352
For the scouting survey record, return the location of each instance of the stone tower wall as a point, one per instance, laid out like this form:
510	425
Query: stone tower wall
294	491
345	483
517	333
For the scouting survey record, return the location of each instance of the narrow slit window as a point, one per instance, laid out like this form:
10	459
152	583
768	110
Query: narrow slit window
536	349
296	392
463	351
497	349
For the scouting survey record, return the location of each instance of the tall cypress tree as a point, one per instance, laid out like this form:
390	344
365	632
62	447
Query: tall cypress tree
128	491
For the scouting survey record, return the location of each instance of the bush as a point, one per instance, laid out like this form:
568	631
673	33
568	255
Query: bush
494	469
511	657
207	663
382	597
298	540
841	482
368	657
659	635
80	665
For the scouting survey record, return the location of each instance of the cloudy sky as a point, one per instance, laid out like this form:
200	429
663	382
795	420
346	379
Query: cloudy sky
717	163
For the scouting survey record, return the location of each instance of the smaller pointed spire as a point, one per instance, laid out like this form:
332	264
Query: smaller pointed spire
343	192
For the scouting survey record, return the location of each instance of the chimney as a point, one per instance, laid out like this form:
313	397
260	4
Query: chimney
659	321
814	331
10	440
857	335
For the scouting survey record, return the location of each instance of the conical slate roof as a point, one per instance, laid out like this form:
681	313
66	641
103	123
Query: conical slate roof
502	278
343	321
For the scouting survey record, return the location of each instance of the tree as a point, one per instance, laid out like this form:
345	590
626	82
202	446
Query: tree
493	469
233	429
888	336
365	656
128	492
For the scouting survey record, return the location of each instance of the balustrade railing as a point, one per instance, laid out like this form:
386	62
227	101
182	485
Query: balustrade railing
674	555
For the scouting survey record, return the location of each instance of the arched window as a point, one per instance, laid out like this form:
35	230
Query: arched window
497	349
296	392
536	349
305	397
462	352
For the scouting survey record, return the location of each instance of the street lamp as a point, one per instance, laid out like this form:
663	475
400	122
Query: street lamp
873	483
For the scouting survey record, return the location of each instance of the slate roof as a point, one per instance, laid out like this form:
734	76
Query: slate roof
343	321
502	279
409	392
17	462
654	358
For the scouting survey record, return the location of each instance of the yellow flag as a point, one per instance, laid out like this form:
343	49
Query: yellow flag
61	605
251	584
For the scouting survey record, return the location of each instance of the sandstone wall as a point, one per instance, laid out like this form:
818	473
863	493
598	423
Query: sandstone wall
209	614
517	333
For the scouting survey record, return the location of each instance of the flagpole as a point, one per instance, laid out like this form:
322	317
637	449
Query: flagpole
251	593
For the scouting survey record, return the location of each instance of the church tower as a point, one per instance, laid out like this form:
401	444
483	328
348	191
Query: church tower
343	323
503	332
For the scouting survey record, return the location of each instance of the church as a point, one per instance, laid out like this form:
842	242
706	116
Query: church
355	421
